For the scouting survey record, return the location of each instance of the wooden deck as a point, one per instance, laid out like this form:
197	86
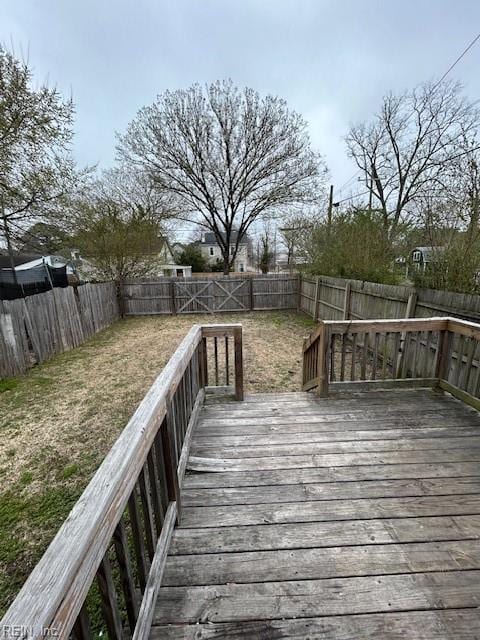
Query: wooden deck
341	518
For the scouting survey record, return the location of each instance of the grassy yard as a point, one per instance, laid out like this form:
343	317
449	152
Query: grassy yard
58	422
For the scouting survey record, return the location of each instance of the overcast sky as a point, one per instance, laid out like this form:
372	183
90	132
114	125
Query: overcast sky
331	60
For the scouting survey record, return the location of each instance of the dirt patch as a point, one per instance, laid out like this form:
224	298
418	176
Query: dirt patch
58	422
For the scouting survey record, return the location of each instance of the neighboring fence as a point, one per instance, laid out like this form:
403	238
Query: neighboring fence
35	328
211	295
338	299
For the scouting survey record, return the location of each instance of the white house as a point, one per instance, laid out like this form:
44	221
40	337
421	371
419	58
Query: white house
212	251
168	266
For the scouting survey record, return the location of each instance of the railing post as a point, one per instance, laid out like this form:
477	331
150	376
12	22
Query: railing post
443	358
238	362
322	359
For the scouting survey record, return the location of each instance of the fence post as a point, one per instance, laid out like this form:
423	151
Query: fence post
238	361
315	304
251	294
443	358
322	359
346	300
172	298
299	292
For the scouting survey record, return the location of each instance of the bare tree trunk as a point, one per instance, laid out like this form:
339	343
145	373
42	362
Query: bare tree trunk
9	243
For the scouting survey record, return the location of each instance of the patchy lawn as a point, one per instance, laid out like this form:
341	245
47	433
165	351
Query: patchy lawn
58	422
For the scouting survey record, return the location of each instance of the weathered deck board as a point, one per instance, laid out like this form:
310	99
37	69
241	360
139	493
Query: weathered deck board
454	624
342	518
314	564
393	469
330	491
308	598
306	535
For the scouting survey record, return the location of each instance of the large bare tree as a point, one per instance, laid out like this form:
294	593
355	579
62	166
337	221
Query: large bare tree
227	156
406	149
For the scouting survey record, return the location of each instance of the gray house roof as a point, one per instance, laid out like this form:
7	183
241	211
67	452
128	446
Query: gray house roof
210	238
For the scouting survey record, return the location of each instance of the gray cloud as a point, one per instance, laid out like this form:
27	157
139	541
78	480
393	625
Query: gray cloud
332	61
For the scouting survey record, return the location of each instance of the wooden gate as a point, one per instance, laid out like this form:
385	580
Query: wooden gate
209	296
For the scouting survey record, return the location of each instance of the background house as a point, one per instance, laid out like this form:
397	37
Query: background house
212	251
168	266
423	256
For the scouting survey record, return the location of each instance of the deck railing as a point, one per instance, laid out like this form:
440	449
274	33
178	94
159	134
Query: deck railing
441	352
117	535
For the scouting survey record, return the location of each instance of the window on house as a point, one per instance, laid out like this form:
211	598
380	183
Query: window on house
231	250
242	267
211	251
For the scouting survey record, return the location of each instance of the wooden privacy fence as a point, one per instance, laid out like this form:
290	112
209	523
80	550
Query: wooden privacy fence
442	352
35	328
328	298
119	531
211	295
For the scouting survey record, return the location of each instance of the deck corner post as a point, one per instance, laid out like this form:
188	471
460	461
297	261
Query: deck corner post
322	362
238	353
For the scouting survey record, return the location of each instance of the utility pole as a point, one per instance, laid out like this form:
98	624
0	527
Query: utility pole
7	238
370	190
330	208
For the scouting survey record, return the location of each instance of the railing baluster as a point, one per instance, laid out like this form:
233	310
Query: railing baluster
215	355
396	354
173	489
205	362
109	601
147	513
415	353
238	359
459	363
155	486
469	364
343	357
81	629
363	369
227	365
386	337
332	357
138	542
375	356
354	358
442	366
123	559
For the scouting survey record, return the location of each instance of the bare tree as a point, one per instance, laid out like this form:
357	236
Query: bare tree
227	157
36	168
405	151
